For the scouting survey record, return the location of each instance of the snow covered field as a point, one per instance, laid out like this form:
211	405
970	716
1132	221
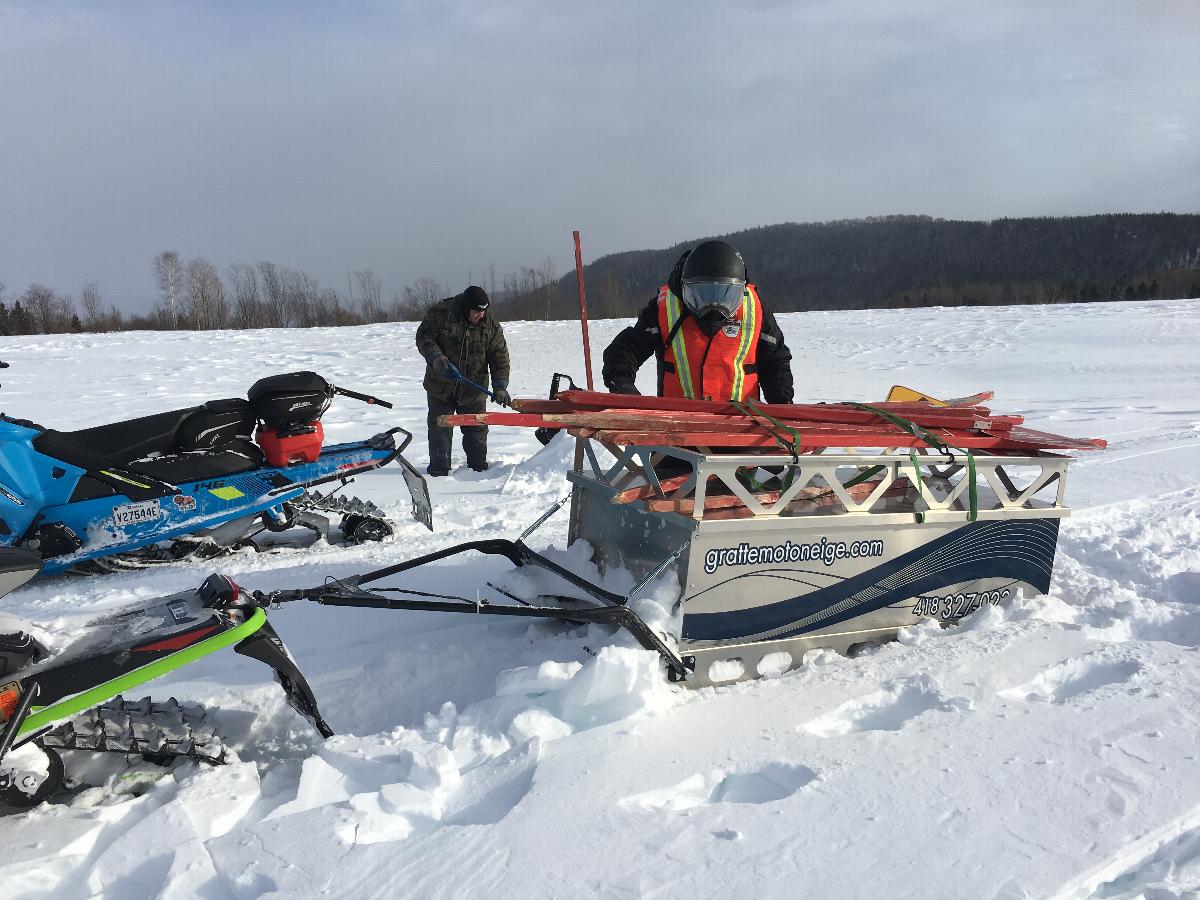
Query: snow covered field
1047	749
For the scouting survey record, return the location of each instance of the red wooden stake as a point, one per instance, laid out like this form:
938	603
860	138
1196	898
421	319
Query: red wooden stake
583	316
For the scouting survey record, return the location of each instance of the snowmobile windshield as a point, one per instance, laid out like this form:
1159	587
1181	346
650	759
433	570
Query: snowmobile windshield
723	296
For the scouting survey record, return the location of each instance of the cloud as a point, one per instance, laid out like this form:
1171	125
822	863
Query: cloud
433	139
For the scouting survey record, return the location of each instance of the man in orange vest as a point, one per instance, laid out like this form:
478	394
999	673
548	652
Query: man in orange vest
712	336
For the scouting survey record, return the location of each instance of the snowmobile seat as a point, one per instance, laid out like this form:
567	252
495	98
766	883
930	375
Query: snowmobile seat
116	443
179	468
217	423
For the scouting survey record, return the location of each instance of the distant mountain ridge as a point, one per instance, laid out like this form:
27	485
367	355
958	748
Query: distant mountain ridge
911	260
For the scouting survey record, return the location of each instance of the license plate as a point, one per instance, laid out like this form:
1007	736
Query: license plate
136	513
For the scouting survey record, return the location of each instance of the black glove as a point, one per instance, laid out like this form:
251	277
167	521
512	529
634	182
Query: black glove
624	387
440	365
501	396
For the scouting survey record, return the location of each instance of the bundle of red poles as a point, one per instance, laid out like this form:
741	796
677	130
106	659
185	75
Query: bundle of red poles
752	427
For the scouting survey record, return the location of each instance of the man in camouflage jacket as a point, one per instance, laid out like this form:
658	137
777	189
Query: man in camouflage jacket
461	332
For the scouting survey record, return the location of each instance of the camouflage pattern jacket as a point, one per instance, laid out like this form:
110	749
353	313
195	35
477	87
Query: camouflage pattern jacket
477	350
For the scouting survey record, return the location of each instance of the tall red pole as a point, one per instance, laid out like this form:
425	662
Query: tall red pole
583	317
573	525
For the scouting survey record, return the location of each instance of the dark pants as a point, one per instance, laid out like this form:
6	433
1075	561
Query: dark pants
474	437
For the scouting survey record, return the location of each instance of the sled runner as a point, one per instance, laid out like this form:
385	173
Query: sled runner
199	481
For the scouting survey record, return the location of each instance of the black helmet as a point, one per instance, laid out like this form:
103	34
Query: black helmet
713	280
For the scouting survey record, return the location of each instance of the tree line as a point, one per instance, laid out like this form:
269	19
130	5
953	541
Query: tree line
193	295
883	262
901	261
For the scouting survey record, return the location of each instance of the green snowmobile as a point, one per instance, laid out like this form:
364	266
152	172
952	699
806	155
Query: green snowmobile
70	697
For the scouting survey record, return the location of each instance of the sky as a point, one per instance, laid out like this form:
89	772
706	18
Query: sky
434	140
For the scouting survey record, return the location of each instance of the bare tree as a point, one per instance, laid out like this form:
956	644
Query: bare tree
42	305
275	302
247	302
530	293
339	313
301	298
94	317
417	297
370	296
168	270
548	283
159	318
206	296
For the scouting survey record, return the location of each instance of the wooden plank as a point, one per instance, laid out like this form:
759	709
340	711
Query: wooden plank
646	419
542	406
766	498
595	400
822	497
661	420
630	495
625	418
1048	441
809	440
522	420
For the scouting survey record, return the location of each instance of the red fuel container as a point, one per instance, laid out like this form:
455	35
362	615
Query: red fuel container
291	449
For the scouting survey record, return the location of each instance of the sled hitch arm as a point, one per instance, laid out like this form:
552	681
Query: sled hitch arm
612	609
619	616
515	552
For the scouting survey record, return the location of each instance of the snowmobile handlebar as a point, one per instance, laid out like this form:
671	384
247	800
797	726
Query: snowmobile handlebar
365	398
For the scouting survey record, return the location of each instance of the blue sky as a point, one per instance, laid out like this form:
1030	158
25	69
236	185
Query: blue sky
422	139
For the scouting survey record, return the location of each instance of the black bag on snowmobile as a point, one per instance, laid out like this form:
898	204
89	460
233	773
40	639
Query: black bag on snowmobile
285	401
217	423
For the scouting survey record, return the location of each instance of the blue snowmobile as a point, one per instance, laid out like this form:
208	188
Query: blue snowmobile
195	482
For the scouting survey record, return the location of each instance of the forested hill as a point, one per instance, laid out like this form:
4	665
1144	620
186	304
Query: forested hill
921	261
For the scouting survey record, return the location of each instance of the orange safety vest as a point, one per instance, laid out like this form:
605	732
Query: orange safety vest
698	367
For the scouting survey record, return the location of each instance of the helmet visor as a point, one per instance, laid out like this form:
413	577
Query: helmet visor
714	296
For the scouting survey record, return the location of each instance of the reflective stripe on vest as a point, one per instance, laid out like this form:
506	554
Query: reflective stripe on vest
749	336
683	368
723	361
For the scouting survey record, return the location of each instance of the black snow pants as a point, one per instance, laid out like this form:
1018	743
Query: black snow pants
474	437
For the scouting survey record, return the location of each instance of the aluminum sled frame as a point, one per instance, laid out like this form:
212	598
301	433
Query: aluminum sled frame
830	549
919	537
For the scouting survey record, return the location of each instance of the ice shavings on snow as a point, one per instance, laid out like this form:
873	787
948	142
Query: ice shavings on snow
1047	748
30	760
754	785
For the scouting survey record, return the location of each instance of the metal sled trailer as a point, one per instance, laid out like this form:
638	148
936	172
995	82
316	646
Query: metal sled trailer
775	554
778	554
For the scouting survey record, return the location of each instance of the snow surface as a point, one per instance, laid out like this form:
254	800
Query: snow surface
1046	749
